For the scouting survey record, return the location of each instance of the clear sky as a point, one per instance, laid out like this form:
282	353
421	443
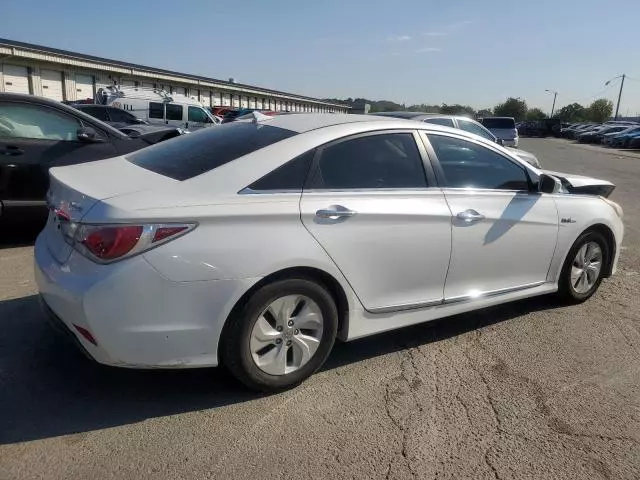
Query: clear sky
475	52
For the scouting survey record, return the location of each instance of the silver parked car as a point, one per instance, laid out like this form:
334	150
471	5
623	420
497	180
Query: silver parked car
463	123
257	243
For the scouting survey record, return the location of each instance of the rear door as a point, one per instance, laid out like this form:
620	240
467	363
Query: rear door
176	115
34	138
383	222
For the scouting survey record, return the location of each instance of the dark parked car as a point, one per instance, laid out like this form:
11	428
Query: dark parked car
541	128
116	117
37	134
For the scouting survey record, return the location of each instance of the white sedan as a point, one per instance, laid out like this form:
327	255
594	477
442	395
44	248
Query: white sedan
257	243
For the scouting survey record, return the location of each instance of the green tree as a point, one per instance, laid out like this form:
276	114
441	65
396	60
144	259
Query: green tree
572	113
457	109
600	110
512	107
535	114
485	112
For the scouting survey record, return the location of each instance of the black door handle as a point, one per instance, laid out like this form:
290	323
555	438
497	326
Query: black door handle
11	151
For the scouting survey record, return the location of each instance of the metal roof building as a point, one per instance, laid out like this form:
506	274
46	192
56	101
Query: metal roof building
70	76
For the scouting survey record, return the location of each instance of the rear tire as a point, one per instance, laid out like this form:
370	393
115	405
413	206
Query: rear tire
281	336
584	268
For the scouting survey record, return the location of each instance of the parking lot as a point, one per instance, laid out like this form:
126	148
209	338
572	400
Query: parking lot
527	390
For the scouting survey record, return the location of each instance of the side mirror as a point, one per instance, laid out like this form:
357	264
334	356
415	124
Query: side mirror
499	141
88	135
549	184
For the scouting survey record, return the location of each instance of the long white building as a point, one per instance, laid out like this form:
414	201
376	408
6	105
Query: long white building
69	76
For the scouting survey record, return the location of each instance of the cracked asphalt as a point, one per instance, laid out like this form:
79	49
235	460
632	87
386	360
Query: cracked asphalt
531	390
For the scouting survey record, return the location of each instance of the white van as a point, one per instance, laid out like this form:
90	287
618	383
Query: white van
503	128
158	107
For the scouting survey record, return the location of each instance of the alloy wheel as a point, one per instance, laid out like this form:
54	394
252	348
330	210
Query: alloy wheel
286	335
586	267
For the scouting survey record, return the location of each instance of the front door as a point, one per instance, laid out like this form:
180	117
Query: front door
197	118
369	205
34	138
503	233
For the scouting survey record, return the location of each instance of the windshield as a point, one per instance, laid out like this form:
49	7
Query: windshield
499	123
194	154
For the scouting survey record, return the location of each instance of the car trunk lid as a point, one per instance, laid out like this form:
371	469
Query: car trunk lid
75	190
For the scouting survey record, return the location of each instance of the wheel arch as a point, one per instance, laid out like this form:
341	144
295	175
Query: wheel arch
610	238
325	279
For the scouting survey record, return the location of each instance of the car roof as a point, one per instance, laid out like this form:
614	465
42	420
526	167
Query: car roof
304	122
419	115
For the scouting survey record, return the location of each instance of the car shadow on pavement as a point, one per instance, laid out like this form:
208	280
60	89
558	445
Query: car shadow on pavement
48	388
18	234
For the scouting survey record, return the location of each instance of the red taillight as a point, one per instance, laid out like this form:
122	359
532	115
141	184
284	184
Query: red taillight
86	334
108	243
165	232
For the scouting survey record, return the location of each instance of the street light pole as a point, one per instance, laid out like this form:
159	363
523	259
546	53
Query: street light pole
553	107
619	93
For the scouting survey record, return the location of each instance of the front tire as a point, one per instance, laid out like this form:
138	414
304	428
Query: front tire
281	336
584	268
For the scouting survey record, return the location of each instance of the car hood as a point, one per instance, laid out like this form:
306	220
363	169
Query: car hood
579	184
526	156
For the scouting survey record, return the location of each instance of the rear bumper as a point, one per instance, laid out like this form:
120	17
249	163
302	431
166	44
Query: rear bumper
61	328
138	318
510	142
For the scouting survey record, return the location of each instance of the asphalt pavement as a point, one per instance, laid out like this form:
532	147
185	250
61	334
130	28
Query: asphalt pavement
530	390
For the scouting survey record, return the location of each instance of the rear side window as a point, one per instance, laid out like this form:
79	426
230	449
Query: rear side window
499	123
190	155
473	127
447	122
375	161
289	177
174	112
156	110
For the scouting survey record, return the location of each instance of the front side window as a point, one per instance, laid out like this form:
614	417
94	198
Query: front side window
469	165
375	161
190	155
156	110
197	114
22	120
475	128
174	112
447	122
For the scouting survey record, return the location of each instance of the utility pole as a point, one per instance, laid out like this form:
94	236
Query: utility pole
619	93
619	96
553	107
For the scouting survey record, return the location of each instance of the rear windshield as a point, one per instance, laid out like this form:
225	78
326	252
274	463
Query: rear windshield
499	123
192	154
